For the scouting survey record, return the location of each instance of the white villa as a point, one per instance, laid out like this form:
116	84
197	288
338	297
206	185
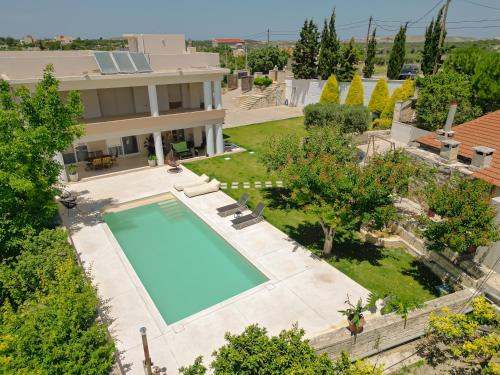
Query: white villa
157	87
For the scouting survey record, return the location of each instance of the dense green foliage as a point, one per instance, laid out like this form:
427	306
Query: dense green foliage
397	57
48	319
349	59
402	93
349	119
329	53
431	55
262	81
227	58
435	94
306	51
464	60
266	58
355	93
380	96
371	50
331	92
467	217
33	128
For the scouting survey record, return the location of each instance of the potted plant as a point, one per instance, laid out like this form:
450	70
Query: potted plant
152	160
354	314
73	172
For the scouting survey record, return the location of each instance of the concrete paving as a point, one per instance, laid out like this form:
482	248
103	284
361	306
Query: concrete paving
301	287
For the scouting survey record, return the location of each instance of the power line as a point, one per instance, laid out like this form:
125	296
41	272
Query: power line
427	13
480	5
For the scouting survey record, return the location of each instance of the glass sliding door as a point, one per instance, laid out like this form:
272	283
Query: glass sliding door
130	145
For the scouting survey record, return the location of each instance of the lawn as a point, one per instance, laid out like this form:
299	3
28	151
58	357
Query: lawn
381	270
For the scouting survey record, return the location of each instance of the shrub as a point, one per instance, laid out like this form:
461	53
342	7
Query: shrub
435	94
262	81
381	124
404	92
331	92
380	96
486	82
355	93
349	119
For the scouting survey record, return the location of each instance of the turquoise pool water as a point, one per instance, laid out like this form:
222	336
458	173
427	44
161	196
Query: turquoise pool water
183	264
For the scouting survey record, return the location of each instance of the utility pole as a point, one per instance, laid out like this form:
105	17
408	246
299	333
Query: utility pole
267	36
368	33
441	37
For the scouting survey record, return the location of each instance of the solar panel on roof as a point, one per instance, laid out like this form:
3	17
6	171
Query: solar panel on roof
123	61
105	62
140	62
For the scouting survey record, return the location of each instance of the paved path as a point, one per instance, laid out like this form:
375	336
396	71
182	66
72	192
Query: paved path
301	287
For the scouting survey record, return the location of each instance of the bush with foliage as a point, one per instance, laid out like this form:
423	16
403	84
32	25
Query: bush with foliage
464	60
402	93
355	93
467	217
331	92
262	81
48	320
349	119
266	58
435	94
379	97
486	82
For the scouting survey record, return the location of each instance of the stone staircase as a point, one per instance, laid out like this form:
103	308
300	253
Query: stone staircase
258	98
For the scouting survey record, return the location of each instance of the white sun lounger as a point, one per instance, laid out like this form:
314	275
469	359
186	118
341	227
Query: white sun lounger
210	187
203	179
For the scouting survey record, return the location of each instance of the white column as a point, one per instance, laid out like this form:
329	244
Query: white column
217	95
160	159
207	95
219	139
153	101
63	176
209	133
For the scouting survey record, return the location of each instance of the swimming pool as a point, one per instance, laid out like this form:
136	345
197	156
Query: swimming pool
183	264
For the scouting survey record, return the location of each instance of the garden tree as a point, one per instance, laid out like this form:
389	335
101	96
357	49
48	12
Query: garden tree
329	52
435	94
402	93
266	58
355	93
346	118
431	45
33	128
331	92
397	56
472	337
379	97
464	60
326	179
467	219
369	67
349	58
306	52
48	315
255	353
486	82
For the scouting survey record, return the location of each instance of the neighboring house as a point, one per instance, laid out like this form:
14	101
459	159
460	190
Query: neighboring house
64	39
28	39
236	44
157	87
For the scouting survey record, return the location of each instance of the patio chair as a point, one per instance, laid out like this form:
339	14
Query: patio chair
210	187
203	179
69	204
181	149
234	207
107	162
97	163
250	219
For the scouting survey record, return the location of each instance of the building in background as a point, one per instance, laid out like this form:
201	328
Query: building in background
236	44
28	39
64	39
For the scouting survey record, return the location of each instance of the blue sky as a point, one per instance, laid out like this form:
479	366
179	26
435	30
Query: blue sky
208	19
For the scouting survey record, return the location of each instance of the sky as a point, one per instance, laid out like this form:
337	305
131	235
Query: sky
199	19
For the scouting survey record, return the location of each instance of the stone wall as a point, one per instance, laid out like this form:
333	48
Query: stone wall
387	331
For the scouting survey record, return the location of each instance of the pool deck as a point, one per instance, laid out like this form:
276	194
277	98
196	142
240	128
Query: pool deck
301	287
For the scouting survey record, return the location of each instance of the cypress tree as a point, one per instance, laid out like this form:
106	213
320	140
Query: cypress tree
329	53
348	61
369	67
436	33
306	52
397	56
427	53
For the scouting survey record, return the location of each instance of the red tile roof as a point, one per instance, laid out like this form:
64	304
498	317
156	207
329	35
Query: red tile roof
228	40
483	131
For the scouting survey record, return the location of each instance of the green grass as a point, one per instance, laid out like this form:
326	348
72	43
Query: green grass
380	270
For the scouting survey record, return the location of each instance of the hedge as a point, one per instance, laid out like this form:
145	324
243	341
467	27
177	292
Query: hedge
355	93
349	118
331	92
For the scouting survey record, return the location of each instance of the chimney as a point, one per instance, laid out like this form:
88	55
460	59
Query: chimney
449	150
446	132
481	157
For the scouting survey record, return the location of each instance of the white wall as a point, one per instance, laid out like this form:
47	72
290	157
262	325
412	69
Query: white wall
301	92
489	255
405	133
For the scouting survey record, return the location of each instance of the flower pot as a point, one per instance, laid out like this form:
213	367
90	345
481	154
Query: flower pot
73	177
430	213
356	328
151	163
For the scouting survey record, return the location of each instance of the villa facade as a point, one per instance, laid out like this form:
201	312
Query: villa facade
157	87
